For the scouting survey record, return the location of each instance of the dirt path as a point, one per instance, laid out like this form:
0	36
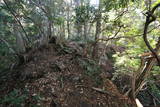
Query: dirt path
55	78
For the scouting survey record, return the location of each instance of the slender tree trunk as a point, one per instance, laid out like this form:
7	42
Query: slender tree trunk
85	30
20	43
68	22
78	25
63	30
89	28
16	19
49	29
79	29
86	22
97	34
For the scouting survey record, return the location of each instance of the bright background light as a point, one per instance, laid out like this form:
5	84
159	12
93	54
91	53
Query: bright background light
94	2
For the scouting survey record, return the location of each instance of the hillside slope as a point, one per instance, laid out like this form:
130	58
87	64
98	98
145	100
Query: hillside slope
60	77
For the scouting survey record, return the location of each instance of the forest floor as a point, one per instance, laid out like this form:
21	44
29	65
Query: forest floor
56	77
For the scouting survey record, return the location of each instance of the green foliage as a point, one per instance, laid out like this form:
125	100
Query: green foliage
116	4
80	39
84	13
156	70
58	20
14	98
129	60
155	91
126	63
63	16
150	92
5	33
17	98
92	69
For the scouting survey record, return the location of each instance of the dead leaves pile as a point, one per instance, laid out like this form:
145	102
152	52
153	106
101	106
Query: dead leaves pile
59	81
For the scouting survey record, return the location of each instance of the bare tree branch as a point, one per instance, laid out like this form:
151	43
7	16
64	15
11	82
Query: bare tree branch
40	7
149	19
8	45
127	37
114	37
16	19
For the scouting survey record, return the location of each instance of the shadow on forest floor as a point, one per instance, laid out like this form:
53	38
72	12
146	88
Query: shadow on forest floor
57	78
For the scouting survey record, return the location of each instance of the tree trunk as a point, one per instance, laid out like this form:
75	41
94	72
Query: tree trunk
68	21
49	29
20	43
85	30
97	34
79	29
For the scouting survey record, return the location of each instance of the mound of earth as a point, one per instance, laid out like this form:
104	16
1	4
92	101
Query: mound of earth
55	77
